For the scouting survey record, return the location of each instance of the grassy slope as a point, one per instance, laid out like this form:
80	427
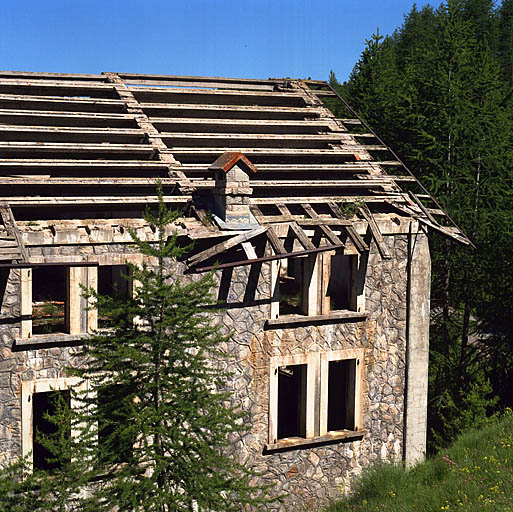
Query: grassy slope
474	474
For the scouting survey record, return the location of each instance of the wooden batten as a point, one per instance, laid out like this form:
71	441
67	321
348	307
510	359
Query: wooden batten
115	133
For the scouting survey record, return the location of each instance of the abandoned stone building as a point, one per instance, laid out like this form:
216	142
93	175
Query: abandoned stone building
320	235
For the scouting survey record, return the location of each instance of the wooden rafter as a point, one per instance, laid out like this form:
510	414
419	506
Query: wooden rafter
275	241
326	230
301	236
357	240
376	233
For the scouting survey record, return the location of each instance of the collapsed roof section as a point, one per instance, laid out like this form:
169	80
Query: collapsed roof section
91	146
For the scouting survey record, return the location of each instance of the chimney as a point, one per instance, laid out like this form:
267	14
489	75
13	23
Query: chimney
232	190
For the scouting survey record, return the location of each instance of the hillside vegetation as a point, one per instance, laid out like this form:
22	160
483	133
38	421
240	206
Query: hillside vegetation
474	474
439	90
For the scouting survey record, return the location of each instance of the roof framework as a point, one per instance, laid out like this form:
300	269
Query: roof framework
73	145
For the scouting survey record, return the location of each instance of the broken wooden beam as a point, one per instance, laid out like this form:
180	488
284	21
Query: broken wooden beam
376	233
301	236
223	246
275	241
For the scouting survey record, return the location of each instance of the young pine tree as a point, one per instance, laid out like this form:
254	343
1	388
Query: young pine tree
150	429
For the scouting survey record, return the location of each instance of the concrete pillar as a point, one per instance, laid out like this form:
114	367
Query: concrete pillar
417	347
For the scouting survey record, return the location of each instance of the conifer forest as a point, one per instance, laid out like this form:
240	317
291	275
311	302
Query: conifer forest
439	91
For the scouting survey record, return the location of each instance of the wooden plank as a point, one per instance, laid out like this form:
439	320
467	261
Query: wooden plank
376	233
71	148
229	97
20	163
343	183
323	93
276	219
249	250
46	181
50	76
249	151
275	241
349	121
73	101
424	210
271	200
11	243
56	88
196	139
66	104
5	129
233	111
289	184
359	166
70	201
10	253
301	236
324	221
197	84
165	122
26	117
223	246
225	80
67	134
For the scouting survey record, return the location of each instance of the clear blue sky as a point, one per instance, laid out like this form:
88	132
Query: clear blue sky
242	38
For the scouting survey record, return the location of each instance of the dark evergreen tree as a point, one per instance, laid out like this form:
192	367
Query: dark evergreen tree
150	427
449	117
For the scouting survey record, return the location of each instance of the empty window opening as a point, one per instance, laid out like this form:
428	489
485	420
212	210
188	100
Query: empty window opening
115	439
340	284
292	401
45	405
49	309
341	394
112	282
291	286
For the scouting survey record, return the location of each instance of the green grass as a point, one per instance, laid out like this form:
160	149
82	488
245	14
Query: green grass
473	474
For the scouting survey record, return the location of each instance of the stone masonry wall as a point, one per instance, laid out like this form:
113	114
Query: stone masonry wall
308	476
312	476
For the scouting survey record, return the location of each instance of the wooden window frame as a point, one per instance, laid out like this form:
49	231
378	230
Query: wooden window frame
317	364
28	389
80	318
315	299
